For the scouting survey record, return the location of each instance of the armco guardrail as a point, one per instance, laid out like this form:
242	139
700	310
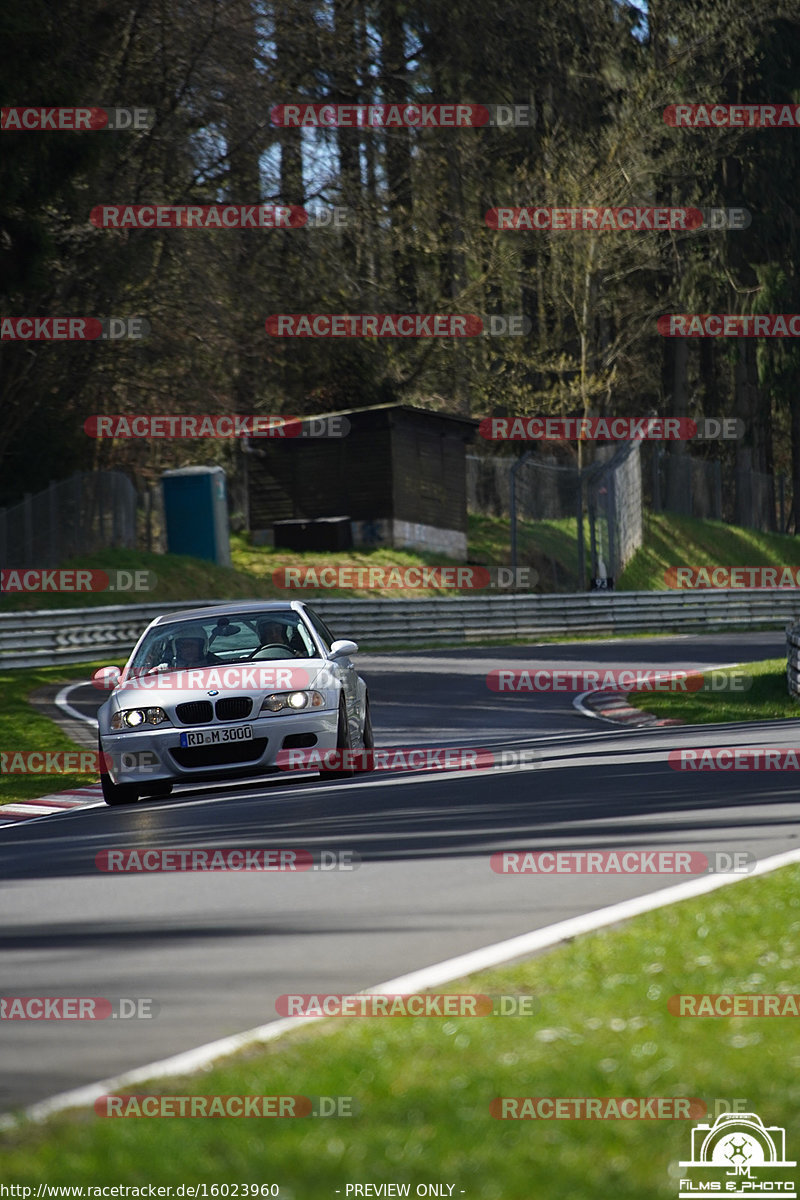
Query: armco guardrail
46	638
793	661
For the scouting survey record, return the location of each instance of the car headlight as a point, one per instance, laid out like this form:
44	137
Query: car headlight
295	701
132	718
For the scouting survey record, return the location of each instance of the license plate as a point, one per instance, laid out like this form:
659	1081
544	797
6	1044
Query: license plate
214	737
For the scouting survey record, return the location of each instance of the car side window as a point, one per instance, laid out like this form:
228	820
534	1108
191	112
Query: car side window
302	642
324	634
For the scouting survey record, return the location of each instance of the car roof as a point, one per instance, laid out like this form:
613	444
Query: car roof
235	608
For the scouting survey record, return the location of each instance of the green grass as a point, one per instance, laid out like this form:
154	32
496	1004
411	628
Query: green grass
767	699
672	541
179	577
262	561
547	547
23	727
423	1087
669	541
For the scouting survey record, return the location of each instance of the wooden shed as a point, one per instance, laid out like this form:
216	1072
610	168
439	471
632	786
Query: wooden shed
398	474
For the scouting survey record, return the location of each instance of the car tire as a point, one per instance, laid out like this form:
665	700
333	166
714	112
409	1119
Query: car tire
368	736
115	793
342	745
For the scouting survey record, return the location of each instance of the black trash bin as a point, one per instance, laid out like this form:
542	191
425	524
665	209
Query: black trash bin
319	533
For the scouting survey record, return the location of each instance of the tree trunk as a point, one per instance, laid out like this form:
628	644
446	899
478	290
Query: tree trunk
346	90
394	87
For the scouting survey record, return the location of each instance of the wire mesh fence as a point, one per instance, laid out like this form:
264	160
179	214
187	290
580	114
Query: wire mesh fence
607	496
611	495
545	490
88	512
614	490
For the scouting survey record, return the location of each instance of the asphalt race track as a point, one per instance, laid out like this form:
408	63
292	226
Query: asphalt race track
214	951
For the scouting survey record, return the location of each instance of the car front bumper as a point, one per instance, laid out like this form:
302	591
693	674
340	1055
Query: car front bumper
145	756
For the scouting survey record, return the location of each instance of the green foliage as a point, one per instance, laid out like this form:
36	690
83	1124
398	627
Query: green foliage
595	76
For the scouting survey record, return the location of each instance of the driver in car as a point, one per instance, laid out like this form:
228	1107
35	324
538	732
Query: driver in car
272	631
190	652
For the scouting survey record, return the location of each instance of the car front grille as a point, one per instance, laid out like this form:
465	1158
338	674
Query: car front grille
196	712
220	755
234	708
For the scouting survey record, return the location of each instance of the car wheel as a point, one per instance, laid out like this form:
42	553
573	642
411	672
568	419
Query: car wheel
368	739
115	793
342	744
368	736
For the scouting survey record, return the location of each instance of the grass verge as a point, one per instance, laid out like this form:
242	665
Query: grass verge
549	548
767	698
179	577
25	728
673	541
422	1087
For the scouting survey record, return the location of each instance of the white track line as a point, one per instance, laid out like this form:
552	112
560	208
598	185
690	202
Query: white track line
588	712
62	703
523	946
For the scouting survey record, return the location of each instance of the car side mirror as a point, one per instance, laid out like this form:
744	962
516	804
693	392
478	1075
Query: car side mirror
343	649
107	678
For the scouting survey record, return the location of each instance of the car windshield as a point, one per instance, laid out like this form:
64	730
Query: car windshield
210	642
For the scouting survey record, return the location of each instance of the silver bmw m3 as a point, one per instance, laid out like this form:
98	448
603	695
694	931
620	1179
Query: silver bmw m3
225	692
